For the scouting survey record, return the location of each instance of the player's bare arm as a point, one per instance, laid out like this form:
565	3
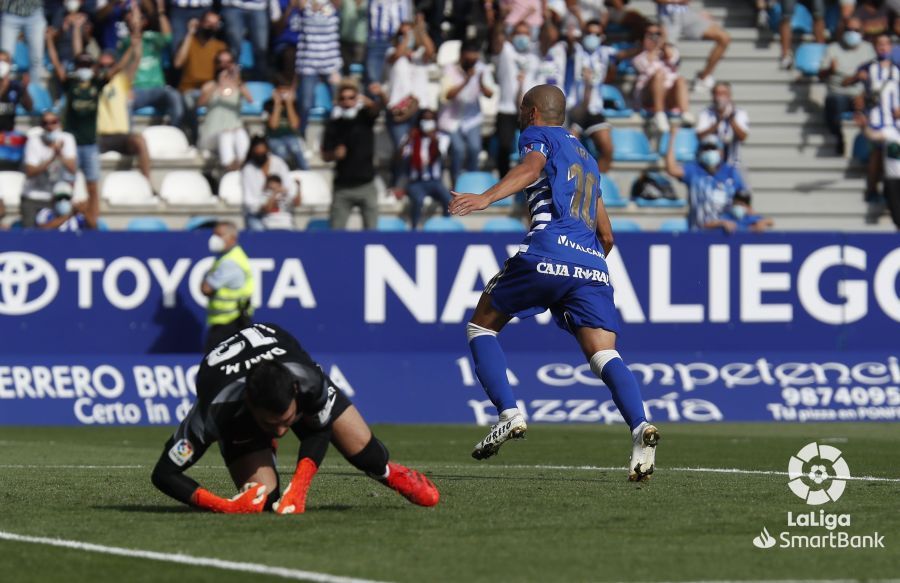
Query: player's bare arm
604	227
515	180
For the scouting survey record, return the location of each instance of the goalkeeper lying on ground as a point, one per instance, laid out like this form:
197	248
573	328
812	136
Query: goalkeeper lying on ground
252	389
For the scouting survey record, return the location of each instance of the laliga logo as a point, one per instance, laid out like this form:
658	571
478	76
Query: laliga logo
810	480
18	272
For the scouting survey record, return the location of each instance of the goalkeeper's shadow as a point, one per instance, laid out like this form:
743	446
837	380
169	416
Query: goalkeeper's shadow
146	508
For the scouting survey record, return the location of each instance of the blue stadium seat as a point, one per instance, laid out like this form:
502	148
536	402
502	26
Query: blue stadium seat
261	91
20	59
443	225
357	69
503	225
625	226
612	196
148	111
147	224
614	102
318	225
624	67
685	145
631	145
41	101
392	224
200	222
322	104
245	59
809	57
102	225
674	226
478	182
862	149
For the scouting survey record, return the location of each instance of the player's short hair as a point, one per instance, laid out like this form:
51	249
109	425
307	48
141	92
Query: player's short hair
271	386
549	100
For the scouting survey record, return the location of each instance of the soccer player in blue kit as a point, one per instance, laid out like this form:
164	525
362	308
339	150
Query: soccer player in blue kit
561	266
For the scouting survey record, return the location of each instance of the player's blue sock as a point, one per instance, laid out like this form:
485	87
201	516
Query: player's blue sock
626	394
490	366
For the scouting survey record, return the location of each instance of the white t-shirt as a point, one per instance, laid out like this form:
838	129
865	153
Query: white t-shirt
253	179
891	152
707	119
37	152
408	76
598	62
510	63
463	112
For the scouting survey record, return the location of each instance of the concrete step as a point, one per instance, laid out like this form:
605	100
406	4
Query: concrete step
819	202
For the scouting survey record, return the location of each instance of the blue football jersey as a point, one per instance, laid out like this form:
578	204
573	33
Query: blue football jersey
563	201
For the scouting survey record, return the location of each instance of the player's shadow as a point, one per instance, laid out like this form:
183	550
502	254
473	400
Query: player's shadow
145	508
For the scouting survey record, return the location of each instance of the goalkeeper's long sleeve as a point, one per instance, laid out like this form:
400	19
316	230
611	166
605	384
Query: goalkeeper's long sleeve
169	478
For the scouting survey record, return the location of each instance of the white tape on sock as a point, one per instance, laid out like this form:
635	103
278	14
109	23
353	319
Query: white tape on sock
601	358
474	331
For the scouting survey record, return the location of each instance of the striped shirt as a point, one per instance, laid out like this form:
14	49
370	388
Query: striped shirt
385	18
598	62
669	10
319	47
709	195
191	3
246	4
709	118
431	169
21	7
883	91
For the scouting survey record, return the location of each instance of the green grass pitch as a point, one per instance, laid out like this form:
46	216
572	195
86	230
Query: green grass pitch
534	513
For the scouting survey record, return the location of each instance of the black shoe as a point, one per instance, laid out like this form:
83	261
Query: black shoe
840	148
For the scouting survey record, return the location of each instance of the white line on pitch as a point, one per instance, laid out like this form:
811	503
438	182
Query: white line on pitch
256	568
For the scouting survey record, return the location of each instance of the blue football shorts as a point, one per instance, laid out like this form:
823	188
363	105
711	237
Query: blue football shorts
577	296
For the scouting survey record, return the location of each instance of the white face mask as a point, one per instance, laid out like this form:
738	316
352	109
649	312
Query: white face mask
5	68
428	125
72	5
63	207
84	74
216	244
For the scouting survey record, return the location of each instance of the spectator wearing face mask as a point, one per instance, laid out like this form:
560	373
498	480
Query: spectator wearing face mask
841	62
516	64
70	33
529	12
318	51
659	88
110	20
50	157
25	17
552	58
64	215
423	152
462	86
283	123
229	285
196	59
12	93
350	143
888	138
259	166
278	210
740	216
591	67
711	182
408	78
726	121
82	90
182	12
222	129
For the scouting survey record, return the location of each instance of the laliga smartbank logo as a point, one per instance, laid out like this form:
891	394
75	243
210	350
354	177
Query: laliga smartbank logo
818	475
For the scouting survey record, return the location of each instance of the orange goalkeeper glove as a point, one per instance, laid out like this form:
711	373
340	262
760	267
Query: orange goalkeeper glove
293	501
251	500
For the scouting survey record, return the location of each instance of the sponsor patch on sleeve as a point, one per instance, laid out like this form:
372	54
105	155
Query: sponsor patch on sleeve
182	452
325	414
535	147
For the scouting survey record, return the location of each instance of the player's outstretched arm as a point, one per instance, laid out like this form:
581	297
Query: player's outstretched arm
515	181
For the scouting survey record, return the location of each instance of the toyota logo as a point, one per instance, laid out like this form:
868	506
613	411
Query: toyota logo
18	273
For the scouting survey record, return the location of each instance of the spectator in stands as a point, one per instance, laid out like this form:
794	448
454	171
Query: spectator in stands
841	62
681	21
728	122
113	122
631	20
408	77
283	123
423	152
385	18
150	87
530	12
286	27
258	168
229	285
222	129
591	67
350	142
516	66
468	19
712	182
659	88
462	86
50	156
110	21
12	93
785	31
278	210
740	216
82	91
25	17
552	58
354	32
888	138
318	52
65	215
70	33
250	18
873	17
196	58
183	12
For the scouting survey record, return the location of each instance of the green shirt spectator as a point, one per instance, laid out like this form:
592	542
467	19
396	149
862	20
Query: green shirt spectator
82	99
150	72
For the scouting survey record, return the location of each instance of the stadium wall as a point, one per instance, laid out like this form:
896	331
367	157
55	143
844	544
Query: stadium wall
105	328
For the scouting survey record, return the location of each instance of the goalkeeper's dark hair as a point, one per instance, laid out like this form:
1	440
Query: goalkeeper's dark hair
271	386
